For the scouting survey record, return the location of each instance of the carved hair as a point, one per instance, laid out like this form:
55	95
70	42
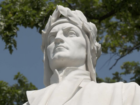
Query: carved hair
78	19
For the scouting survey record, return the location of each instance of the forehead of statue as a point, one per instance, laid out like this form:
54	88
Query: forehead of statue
65	27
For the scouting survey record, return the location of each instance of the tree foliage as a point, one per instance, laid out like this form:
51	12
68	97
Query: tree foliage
132	68
15	94
128	68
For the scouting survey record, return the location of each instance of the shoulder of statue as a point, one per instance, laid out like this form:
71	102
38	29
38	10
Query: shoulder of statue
35	94
115	85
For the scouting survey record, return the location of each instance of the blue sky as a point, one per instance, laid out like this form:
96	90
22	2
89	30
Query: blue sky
27	59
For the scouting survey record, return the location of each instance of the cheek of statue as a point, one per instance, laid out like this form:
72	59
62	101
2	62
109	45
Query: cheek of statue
67	47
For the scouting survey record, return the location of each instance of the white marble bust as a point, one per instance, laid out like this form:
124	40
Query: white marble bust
70	54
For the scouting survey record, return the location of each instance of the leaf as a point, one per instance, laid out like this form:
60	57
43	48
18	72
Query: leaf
14	43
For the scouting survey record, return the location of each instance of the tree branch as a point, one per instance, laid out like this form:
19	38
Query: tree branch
129	51
70	6
109	14
107	61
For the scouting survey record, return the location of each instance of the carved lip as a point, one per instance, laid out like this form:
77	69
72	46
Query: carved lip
61	46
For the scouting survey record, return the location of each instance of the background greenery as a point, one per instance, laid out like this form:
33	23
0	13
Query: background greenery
118	23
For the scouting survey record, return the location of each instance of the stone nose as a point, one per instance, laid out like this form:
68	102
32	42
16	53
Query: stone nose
59	37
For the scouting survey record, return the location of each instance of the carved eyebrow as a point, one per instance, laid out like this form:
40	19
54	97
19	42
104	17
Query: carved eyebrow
55	30
67	28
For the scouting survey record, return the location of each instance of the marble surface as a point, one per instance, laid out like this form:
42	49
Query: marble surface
70	54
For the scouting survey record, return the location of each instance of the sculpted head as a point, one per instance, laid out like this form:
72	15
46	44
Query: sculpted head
69	41
67	47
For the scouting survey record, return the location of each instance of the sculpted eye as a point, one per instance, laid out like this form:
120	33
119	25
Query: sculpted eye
71	34
51	38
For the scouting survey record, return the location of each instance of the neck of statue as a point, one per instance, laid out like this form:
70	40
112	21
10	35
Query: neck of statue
62	70
69	72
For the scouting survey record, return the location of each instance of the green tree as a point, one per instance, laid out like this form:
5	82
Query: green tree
15	94
132	68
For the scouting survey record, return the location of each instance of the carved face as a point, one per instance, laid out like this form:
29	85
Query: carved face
67	47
